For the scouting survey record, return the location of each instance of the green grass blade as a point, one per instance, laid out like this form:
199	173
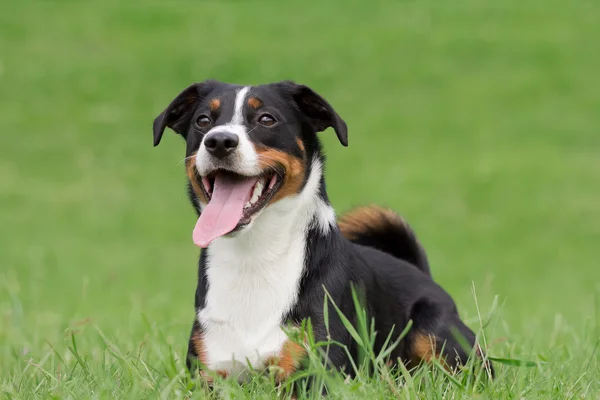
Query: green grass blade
515	362
347	324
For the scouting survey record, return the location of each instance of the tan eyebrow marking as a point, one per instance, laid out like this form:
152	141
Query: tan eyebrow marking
300	144
254	102
215	104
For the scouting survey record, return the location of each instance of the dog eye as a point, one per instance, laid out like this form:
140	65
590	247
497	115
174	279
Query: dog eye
266	120
203	121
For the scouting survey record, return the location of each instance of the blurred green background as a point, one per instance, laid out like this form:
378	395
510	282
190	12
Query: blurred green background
476	120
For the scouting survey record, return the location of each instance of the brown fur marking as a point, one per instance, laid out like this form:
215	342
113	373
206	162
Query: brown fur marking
366	218
199	348
423	348
288	360
190	168
254	103
293	166
209	379
214	104
198	343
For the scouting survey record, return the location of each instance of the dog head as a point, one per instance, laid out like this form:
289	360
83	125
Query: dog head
248	147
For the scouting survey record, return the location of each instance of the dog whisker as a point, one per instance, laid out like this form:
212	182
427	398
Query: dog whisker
262	156
185	159
251	130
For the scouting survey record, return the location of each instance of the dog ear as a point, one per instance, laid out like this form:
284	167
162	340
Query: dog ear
320	113
177	115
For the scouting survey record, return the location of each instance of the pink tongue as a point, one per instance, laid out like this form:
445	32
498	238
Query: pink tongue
225	209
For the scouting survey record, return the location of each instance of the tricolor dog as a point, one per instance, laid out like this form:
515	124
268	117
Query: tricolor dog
272	245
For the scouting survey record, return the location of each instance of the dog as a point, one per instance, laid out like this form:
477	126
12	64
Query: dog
272	246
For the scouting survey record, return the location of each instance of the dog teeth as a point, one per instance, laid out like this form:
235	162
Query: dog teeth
258	189
247	205
260	185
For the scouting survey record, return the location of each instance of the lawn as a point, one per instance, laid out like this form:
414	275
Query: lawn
479	121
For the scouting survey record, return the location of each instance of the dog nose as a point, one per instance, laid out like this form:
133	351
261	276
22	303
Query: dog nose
221	144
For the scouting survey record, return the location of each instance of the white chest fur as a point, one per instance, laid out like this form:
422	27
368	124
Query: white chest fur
253	281
251	287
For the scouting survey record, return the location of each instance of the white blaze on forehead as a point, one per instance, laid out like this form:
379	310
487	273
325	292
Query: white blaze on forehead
238	116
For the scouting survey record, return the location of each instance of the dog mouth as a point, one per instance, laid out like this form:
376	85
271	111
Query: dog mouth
233	200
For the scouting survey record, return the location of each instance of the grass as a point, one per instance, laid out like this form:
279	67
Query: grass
477	120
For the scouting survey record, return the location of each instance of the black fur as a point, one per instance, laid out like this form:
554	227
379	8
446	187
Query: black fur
395	292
